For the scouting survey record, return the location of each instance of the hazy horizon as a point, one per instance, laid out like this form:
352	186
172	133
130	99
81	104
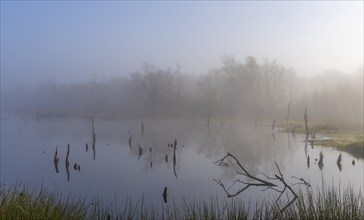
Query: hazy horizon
71	42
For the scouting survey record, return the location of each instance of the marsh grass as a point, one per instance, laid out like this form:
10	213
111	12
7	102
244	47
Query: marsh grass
327	204
20	202
350	140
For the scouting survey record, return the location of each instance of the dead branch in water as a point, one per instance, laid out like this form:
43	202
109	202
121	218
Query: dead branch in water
142	124
274	123
208	120
259	182
289	105
140	151
56	159
174	158
67	163
93	139
270	183
286	186
130	141
306	125
321	161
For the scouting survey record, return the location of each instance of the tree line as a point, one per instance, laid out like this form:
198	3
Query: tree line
243	89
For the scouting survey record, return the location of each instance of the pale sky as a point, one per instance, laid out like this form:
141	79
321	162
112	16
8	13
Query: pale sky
75	41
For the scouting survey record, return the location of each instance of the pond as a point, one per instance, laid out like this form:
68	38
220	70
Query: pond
116	159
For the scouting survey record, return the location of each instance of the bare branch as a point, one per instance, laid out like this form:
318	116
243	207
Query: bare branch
245	172
302	182
268	177
279	170
259	182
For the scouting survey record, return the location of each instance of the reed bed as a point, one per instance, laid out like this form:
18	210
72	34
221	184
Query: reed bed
21	202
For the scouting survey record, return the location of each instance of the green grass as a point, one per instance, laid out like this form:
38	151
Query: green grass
348	141
23	203
299	127
327	204
342	138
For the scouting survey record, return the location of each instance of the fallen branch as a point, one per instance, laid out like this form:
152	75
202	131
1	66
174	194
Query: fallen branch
268	183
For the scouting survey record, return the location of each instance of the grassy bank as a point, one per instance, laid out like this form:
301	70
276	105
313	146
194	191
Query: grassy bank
348	141
341	137
23	203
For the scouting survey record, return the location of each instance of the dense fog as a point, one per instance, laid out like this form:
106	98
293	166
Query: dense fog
250	89
86	59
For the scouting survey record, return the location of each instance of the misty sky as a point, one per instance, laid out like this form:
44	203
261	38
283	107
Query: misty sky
78	41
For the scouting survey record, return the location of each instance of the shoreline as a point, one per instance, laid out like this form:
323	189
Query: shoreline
343	138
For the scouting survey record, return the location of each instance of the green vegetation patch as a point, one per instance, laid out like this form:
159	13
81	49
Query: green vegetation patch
23	203
293	127
330	203
347	140
351	142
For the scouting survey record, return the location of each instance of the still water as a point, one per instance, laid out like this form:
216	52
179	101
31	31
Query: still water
119	159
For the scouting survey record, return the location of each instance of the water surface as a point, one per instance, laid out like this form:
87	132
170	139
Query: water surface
110	168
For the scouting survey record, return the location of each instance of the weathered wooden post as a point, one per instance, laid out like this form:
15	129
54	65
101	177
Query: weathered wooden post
289	105
306	125
274	122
